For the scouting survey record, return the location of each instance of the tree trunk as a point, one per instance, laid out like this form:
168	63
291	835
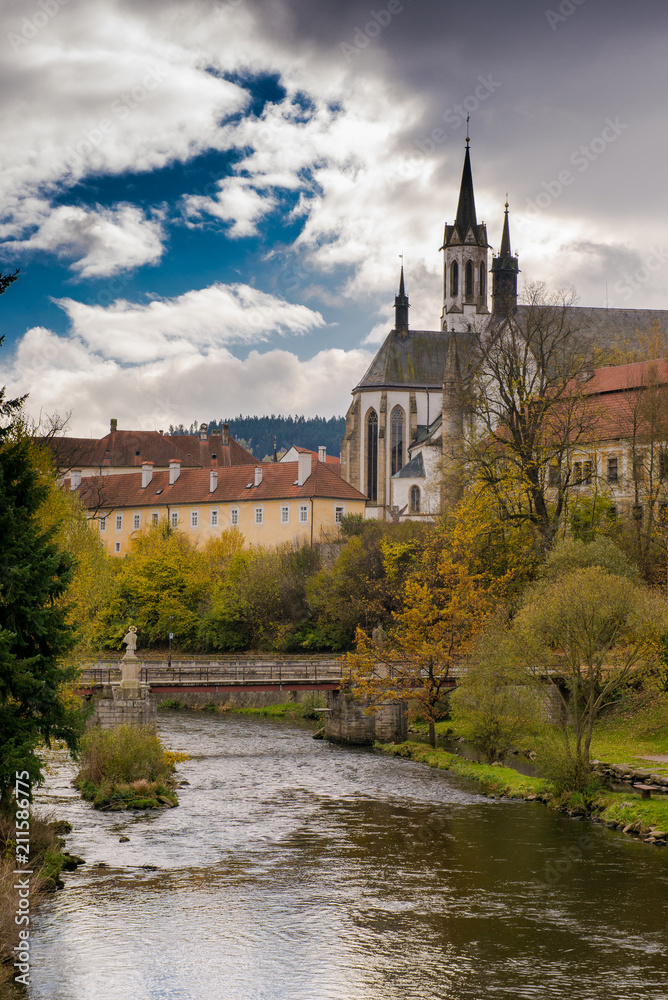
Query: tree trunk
432	735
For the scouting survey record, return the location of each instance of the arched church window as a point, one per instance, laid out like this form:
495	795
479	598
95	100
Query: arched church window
482	281
469	280
414	496
372	456
397	439
454	279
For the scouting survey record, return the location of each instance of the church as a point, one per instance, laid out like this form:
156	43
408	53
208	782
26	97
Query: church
405	418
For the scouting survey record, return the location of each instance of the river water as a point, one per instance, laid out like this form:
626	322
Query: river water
296	869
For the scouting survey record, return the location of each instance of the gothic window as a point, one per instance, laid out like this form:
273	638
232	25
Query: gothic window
469	280
454	279
415	499
372	456
482	281
397	439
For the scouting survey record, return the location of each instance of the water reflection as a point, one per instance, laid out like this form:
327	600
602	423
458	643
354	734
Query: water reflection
297	869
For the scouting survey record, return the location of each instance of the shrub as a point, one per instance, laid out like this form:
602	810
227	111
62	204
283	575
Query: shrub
122	756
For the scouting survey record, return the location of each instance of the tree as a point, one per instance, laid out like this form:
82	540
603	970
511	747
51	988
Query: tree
34	632
529	410
444	608
494	699
587	632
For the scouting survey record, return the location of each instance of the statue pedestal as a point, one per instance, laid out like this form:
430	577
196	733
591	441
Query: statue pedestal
130	686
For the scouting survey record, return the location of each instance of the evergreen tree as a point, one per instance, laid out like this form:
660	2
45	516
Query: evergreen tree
34	635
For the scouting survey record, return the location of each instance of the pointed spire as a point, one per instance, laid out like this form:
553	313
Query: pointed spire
466	216
401	307
505	239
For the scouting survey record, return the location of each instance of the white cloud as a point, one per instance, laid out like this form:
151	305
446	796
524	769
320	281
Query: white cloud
203	318
63	375
99	241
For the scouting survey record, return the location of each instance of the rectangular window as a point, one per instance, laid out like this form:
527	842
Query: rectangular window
303	513
103	524
175	518
155	517
554	476
117	547
577	472
119	522
234	516
285	514
612	470
214	518
338	514
587	471
638	468
136	522
258	515
582	472
194	518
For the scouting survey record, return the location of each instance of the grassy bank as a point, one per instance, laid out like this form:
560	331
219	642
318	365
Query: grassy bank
646	818
284	710
126	768
48	859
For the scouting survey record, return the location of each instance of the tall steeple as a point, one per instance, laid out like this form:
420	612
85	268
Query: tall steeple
505	269
465	261
401	308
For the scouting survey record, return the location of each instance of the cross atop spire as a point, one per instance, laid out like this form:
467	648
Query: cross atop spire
468	119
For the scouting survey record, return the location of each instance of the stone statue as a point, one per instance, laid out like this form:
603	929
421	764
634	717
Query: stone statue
379	637
130	639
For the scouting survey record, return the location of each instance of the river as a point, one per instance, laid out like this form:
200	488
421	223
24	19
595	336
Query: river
296	869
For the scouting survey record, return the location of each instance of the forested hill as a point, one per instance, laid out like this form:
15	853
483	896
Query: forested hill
257	433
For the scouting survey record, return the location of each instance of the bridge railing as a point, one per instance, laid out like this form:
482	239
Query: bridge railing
275	672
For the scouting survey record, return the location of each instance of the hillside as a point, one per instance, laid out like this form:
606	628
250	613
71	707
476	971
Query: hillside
257	433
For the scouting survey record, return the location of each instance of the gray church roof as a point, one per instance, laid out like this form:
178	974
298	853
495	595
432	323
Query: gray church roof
412	470
416	359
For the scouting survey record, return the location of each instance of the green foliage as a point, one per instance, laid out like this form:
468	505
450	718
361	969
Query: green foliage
591	517
122	755
495	698
257	433
572	554
35	635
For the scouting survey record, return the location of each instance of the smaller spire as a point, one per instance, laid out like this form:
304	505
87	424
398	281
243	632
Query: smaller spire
401	307
505	239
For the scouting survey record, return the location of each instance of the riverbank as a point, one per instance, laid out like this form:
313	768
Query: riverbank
647	819
306	710
48	859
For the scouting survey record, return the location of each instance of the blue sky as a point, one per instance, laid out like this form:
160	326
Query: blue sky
208	198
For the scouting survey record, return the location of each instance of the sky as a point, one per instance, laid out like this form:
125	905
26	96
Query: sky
208	199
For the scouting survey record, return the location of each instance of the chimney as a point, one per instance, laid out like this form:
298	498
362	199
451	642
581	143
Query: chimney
106	460
258	475
146	474
202	432
113	425
75	479
226	435
174	470
213	480
322	453
303	467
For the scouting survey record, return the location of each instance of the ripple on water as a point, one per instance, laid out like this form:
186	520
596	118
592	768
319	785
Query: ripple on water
298	869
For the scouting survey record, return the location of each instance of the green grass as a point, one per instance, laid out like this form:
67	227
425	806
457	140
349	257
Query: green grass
493	780
126	768
636	728
618	807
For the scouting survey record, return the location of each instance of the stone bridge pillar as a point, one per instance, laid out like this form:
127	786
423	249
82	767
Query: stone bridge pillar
347	723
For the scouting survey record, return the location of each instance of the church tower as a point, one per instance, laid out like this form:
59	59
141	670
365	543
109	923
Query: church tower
465	260
504	276
401	308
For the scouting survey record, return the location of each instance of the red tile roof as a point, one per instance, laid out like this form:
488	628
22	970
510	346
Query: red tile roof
120	449
200	452
333	460
235	485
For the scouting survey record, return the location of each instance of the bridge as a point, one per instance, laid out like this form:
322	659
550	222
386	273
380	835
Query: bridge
242	674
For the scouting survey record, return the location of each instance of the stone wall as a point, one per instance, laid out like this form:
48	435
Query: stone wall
346	722
111	712
235	699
